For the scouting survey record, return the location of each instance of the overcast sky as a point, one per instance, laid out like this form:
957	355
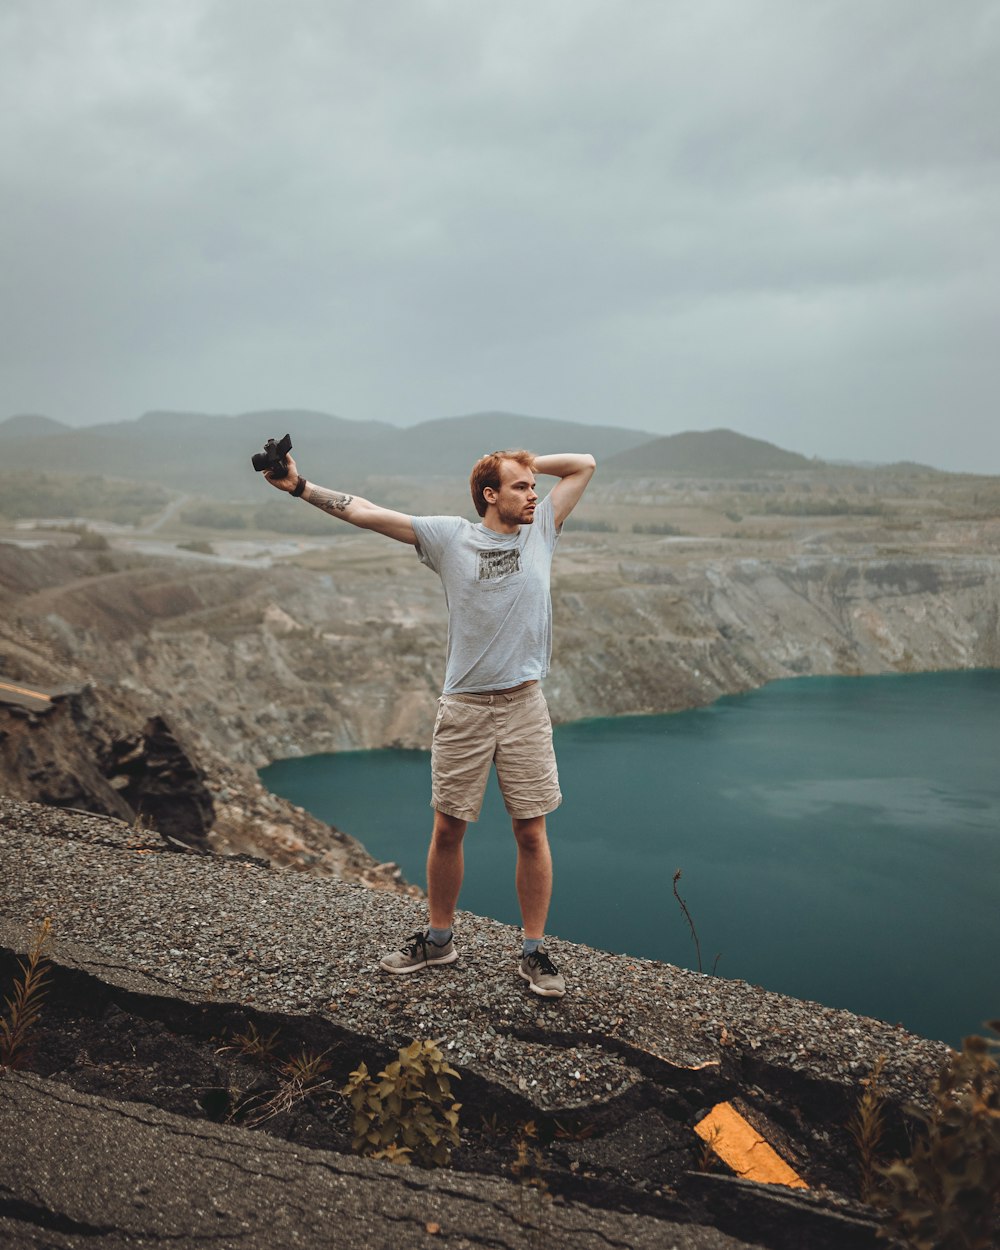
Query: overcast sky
780	216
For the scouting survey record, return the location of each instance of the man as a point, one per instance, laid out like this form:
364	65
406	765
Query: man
492	711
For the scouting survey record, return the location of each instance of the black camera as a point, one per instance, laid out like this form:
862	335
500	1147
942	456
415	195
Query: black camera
272	458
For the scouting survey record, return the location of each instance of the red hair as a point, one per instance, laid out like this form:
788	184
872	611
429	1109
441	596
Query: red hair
486	472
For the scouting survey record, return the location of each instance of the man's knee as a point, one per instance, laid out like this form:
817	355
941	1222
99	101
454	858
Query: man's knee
448	830
530	833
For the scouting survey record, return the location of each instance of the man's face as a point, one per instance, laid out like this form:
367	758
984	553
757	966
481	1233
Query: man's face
516	499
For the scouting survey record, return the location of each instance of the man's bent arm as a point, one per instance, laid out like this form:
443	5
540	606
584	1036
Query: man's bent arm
574	469
360	512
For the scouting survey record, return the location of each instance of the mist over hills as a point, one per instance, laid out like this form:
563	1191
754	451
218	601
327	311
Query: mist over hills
210	453
201	452
31	425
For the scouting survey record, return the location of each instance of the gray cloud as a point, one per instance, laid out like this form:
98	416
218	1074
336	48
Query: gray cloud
770	215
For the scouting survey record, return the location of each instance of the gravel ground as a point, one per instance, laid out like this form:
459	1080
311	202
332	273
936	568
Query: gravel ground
233	931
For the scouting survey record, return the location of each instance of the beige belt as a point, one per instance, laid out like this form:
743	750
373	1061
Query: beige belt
487	696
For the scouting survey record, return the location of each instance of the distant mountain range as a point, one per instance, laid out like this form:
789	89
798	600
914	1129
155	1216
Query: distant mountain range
205	453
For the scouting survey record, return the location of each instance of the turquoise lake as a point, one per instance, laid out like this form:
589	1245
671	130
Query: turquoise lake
839	839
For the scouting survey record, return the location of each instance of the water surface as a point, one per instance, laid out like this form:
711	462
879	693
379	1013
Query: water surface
839	839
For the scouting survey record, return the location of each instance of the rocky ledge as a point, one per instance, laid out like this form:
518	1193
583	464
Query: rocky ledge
109	752
140	1120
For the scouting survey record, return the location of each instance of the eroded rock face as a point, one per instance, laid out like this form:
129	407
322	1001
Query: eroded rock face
728	626
55	754
79	752
99	751
191	677
161	783
302	662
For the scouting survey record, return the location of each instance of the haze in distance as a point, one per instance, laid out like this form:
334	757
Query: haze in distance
772	217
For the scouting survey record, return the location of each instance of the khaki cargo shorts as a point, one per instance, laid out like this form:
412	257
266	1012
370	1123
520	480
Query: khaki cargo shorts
512	731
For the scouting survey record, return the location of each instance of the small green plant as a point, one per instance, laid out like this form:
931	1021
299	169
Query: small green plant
24	1006
694	931
946	1195
405	1114
867	1127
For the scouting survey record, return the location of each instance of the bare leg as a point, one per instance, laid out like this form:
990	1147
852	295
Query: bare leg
445	868
534	874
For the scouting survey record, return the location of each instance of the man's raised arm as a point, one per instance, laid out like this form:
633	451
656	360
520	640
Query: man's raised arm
574	470
360	512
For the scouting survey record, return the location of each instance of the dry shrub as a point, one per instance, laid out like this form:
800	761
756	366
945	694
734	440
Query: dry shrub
24	1005
946	1195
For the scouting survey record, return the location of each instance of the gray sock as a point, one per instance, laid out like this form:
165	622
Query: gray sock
530	945
440	937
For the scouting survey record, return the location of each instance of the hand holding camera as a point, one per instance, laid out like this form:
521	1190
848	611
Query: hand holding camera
276	463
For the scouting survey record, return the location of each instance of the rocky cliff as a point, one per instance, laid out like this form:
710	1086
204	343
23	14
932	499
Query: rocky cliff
302	661
183	674
100	743
665	637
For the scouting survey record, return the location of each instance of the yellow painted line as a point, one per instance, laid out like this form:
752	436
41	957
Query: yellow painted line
32	694
741	1147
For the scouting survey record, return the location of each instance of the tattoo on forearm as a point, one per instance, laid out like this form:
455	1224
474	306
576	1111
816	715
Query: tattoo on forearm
329	500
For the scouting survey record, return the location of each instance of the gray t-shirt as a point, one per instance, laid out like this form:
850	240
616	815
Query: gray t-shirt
497	590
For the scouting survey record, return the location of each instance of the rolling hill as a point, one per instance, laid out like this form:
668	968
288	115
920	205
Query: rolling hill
706	453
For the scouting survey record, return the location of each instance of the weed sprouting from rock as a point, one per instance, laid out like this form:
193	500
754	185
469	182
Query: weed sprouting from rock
251	1044
306	1068
707	1157
694	931
574	1132
867	1127
529	1169
24	1005
405	1114
946	1195
299	1076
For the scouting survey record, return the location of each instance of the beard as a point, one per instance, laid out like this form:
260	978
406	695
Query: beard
514	514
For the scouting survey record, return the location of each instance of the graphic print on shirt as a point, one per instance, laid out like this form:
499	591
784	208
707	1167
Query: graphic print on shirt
495	565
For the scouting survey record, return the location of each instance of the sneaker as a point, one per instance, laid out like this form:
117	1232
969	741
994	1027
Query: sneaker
419	952
542	974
